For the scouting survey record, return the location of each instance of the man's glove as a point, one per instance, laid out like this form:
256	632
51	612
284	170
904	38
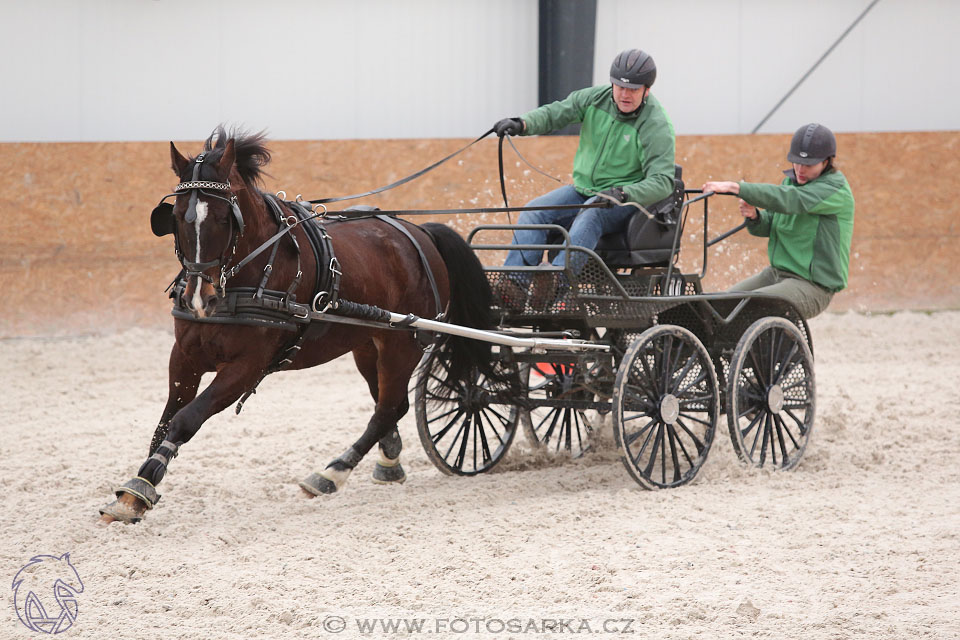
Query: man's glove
508	126
614	192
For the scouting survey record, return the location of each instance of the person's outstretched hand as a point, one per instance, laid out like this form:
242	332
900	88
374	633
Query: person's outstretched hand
508	126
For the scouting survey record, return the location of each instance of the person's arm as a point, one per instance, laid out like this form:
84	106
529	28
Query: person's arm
758	222
815	197
760	225
555	115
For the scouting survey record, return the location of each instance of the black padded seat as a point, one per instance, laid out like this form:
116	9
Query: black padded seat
646	242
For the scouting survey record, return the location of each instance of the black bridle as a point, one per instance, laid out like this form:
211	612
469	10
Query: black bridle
196	187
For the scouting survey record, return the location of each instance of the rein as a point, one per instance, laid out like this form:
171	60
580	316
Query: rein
503	187
412	176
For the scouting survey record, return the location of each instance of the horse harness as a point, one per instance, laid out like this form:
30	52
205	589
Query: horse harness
259	306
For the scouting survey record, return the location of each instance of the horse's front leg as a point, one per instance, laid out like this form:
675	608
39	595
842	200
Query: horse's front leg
139	494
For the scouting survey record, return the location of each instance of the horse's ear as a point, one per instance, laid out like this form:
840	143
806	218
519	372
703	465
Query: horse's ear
227	160
177	162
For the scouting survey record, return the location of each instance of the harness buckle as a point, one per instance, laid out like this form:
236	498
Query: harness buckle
223	278
335	266
293	309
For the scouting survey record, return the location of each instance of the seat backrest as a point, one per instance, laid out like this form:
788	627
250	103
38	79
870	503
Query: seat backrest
646	242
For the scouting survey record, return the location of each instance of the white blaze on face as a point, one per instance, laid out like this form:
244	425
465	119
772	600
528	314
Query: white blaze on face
201	216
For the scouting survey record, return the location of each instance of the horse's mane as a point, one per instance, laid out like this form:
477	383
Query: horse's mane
250	148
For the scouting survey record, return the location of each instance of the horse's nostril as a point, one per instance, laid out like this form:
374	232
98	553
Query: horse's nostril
209	302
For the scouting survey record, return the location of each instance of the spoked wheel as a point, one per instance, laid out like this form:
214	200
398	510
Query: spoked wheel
464	427
666	404
561	425
771	394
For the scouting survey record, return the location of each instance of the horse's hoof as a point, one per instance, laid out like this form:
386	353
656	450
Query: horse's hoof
126	508
318	485
393	474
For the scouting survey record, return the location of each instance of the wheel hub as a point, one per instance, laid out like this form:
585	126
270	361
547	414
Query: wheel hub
775	398
669	408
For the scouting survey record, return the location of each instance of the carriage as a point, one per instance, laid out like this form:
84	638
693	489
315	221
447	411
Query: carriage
268	284
667	361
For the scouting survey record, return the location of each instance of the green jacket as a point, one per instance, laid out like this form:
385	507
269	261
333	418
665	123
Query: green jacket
810	226
632	152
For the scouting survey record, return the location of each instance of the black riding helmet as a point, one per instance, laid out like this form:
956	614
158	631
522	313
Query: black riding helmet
633	69
812	143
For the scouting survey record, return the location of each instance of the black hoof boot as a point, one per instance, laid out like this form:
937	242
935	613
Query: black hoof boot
331	479
318	485
389	473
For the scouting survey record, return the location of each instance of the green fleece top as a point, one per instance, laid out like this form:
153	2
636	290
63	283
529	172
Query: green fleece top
810	226
634	152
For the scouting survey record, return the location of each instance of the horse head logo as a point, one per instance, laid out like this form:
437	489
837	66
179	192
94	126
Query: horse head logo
37	608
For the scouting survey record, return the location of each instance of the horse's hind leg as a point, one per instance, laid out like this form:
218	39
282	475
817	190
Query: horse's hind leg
388	469
387	374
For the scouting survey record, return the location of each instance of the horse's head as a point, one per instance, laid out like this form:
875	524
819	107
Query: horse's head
205	218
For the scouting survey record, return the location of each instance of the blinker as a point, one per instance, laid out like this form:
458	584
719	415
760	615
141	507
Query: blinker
162	221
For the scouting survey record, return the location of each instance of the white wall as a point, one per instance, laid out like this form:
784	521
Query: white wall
101	70
723	64
91	70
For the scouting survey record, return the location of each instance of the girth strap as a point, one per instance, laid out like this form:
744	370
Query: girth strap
423	258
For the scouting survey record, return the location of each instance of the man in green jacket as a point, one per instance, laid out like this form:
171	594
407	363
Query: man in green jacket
809	220
626	154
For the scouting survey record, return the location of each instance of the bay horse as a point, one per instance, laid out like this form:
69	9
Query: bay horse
219	217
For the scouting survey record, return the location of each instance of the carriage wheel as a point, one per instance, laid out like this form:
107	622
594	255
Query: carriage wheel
562	427
464	429
771	394
666	404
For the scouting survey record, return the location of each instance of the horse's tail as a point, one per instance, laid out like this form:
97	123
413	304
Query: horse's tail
470	301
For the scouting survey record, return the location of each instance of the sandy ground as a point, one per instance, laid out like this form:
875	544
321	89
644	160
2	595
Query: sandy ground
862	540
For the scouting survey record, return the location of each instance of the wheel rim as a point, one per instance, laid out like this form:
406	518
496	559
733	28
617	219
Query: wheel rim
560	428
771	395
465	428
666	407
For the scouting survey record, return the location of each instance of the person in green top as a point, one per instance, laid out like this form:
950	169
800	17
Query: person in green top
808	219
625	155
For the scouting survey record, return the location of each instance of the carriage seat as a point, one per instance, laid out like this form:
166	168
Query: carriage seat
646	242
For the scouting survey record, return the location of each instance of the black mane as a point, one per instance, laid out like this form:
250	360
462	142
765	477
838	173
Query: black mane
250	148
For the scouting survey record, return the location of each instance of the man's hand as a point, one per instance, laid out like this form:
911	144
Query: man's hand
509	126
748	211
722	187
613	192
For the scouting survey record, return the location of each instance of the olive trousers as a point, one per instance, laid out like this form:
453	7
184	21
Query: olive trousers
809	298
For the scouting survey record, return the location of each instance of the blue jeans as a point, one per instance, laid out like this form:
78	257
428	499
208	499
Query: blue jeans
585	226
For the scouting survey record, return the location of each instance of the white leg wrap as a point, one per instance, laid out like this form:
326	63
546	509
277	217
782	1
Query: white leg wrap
387	462
338	478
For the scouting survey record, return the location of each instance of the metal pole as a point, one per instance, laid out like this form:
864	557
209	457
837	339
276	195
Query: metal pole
815	65
498	338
